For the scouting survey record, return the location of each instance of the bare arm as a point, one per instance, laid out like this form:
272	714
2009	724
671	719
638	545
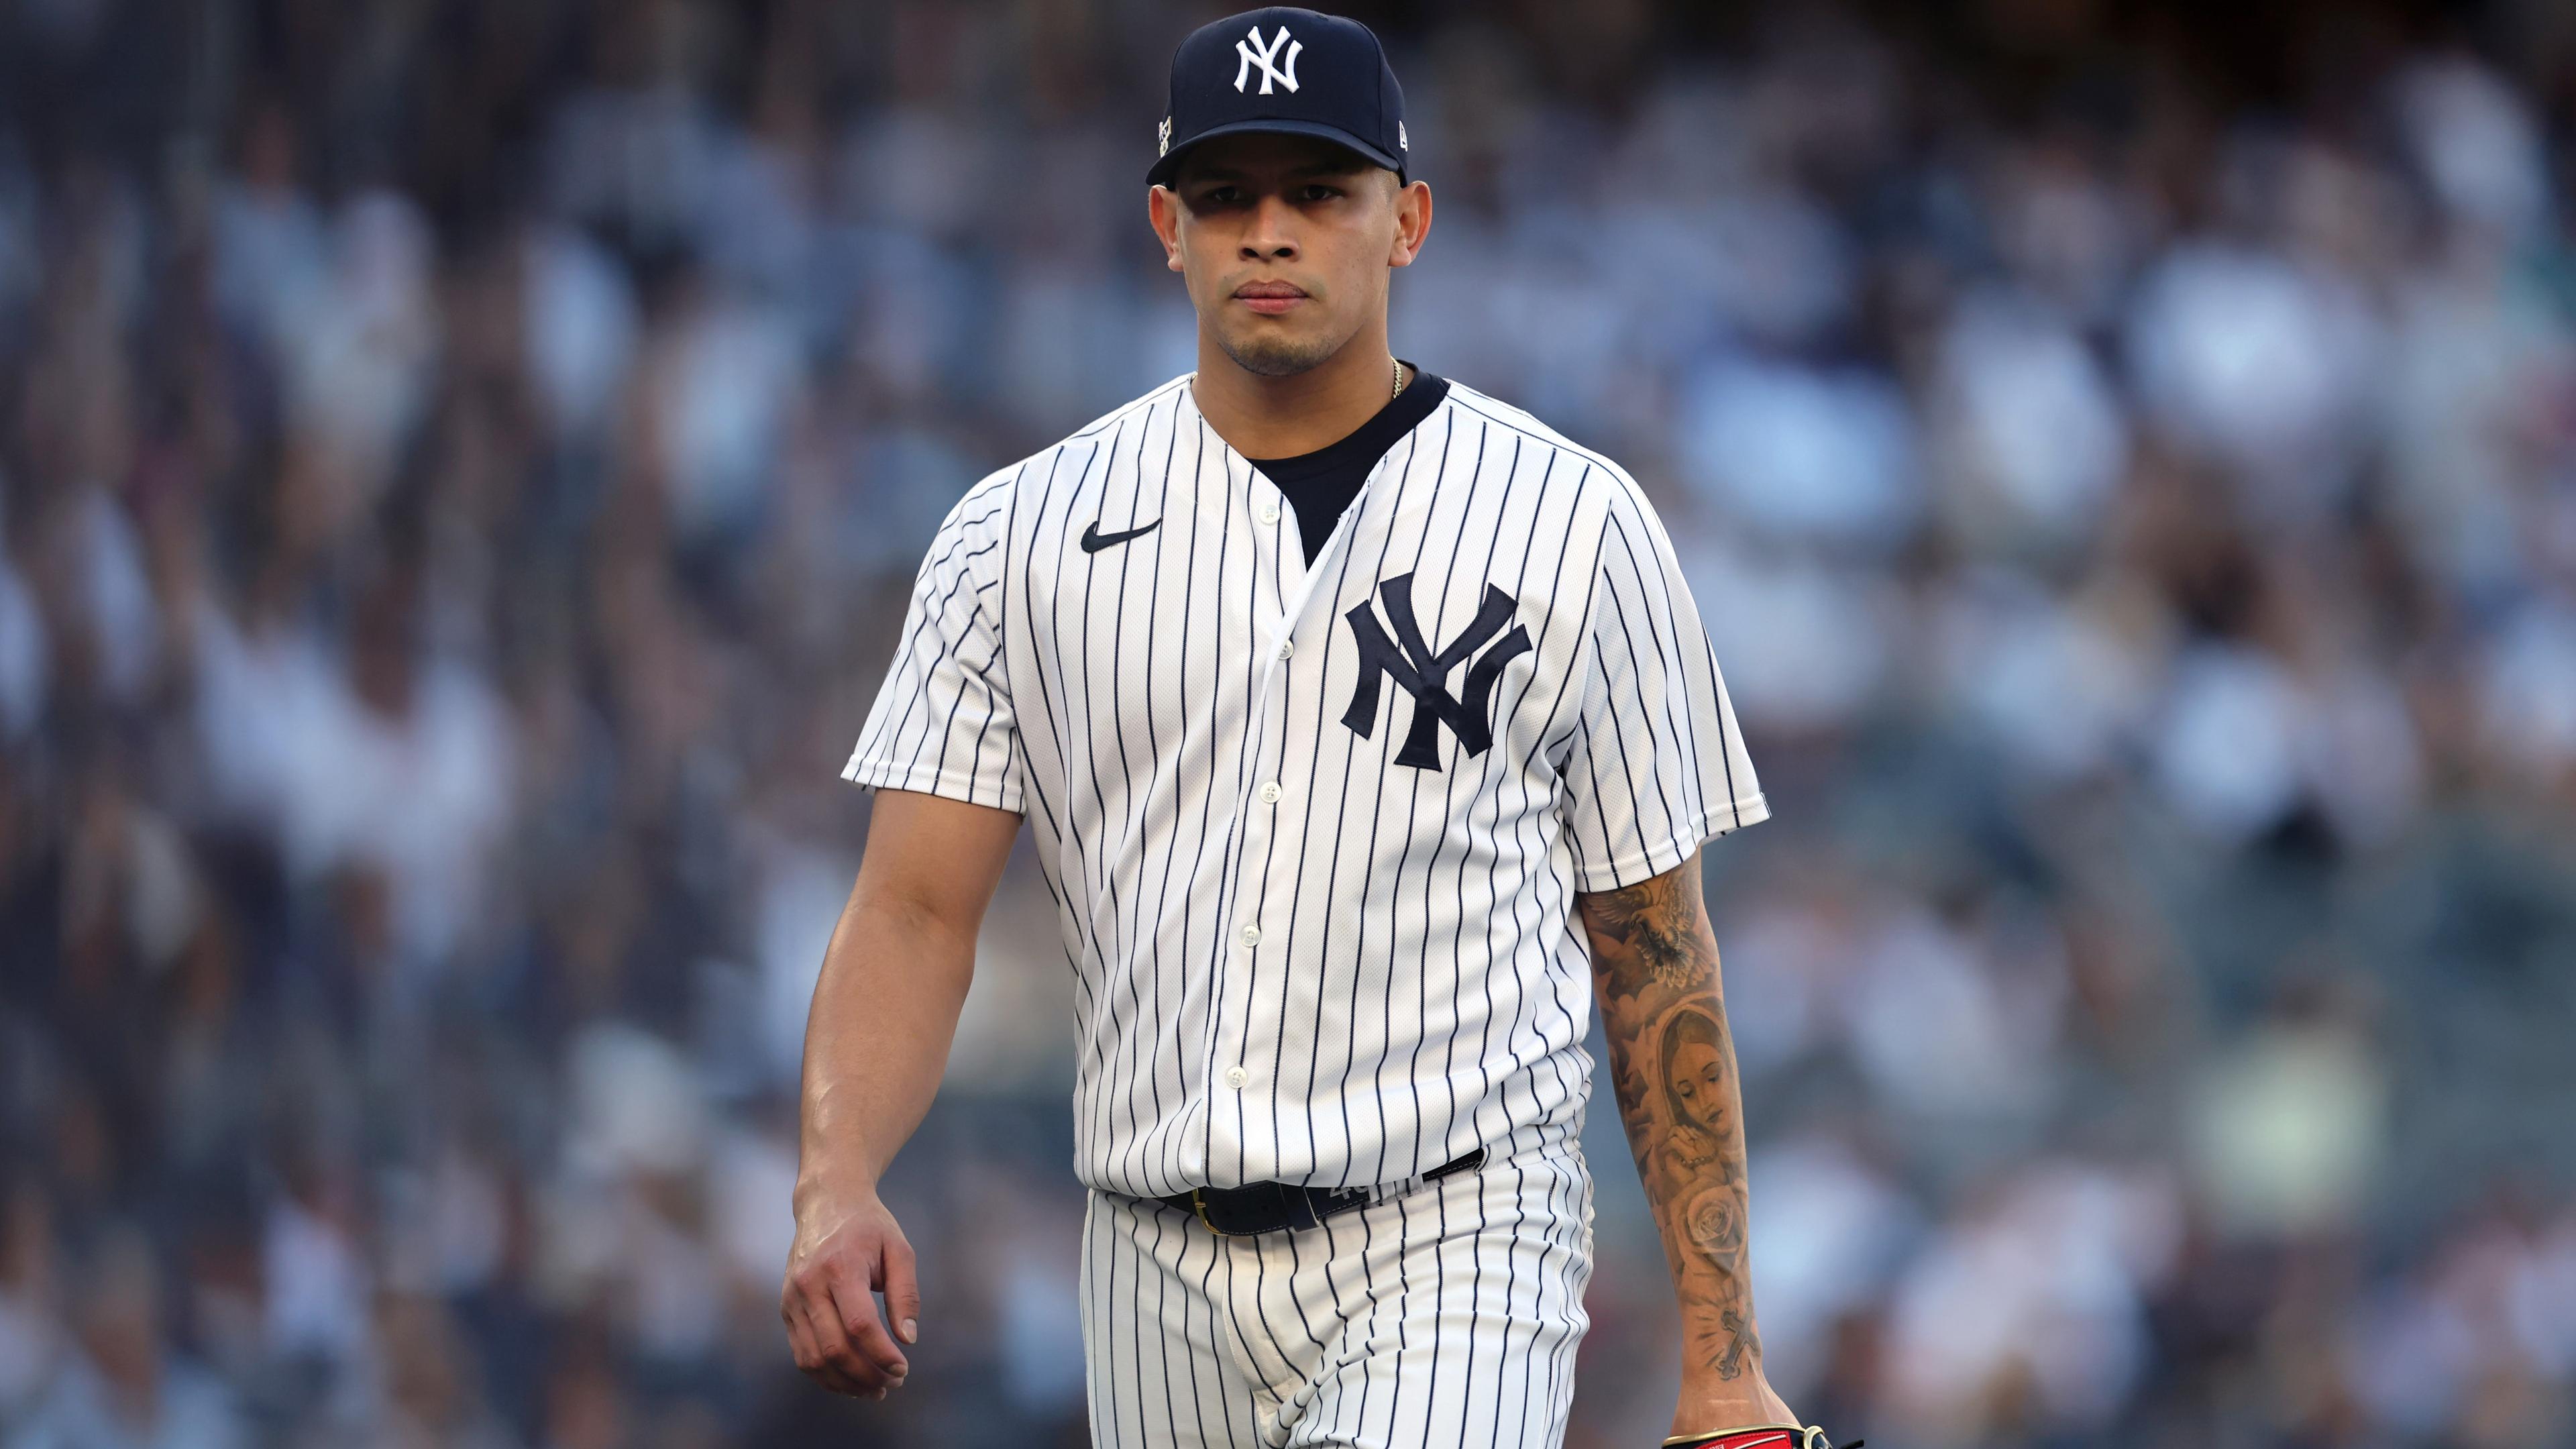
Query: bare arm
885	1011
1654	960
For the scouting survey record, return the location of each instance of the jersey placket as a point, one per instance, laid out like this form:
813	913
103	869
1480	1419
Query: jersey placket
1235	1078
1238	1067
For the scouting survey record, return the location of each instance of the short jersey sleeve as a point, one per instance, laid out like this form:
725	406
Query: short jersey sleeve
1656	764
942	723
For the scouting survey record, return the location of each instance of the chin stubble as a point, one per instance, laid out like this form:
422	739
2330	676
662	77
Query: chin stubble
1277	357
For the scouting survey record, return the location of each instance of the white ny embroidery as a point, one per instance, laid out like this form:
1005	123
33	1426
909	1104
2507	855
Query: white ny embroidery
1253	53
1163	138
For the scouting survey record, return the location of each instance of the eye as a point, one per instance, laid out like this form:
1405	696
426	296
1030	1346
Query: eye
1318	191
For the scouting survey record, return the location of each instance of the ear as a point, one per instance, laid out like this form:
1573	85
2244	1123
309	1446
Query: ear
1412	223
1163	213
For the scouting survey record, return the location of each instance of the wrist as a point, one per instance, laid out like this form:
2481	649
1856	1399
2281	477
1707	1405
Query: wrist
1713	1394
1710	1404
838	1182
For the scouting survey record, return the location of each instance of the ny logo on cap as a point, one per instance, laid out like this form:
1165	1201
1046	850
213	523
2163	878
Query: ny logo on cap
1163	138
1253	53
1423	672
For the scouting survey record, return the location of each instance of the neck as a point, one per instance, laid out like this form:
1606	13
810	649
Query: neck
1281	417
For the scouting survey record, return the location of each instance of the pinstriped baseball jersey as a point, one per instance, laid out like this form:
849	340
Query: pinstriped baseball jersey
1314	834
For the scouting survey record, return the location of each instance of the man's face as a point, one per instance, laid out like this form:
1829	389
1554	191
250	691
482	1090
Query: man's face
1285	242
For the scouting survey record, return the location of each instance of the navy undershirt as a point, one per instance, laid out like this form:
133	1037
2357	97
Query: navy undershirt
1321	484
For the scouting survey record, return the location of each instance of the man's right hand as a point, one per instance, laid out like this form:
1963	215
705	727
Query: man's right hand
848	1249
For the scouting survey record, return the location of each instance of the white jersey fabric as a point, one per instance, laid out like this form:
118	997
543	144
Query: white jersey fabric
1315	834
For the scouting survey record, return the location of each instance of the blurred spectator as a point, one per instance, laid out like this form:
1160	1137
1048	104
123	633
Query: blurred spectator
123	1387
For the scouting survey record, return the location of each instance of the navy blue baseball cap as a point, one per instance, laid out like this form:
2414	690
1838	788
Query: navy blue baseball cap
1283	70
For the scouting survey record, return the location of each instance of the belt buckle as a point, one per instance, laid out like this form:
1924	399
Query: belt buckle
1198	1204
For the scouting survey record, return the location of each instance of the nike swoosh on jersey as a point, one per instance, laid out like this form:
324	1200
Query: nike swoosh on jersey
1093	540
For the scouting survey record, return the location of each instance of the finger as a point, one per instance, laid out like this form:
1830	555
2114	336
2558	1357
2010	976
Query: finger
809	1352
800	1339
865	1331
902	1291
838	1366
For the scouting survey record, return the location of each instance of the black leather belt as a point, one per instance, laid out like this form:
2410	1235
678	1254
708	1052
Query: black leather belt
1267	1207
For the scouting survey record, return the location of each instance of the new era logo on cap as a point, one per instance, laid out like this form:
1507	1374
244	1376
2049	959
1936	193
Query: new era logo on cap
1282	70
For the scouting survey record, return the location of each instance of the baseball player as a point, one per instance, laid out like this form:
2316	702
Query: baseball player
1367	733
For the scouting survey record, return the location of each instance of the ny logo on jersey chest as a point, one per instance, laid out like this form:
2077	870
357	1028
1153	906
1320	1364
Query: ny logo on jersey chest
1423	672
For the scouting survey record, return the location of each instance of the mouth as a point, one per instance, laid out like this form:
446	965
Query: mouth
1270	299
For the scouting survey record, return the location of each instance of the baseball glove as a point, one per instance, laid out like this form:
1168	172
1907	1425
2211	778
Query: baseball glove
1760	1436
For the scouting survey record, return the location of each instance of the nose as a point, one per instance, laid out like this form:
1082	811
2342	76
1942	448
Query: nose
1272	235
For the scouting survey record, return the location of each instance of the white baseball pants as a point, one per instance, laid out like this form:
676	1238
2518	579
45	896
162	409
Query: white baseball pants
1444	1315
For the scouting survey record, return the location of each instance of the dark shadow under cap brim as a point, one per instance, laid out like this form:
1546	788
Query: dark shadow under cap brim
1165	165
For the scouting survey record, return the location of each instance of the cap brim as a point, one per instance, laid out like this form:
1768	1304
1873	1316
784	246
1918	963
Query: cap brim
1165	165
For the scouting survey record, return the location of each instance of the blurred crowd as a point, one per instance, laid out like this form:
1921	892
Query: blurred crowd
462	463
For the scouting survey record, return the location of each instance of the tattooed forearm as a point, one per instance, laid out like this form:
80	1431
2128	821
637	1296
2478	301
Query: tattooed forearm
1673	1065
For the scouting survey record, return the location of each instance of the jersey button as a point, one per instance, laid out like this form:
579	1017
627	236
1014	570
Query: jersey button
1287	647
1270	793
1252	935
1270	513
1235	1077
